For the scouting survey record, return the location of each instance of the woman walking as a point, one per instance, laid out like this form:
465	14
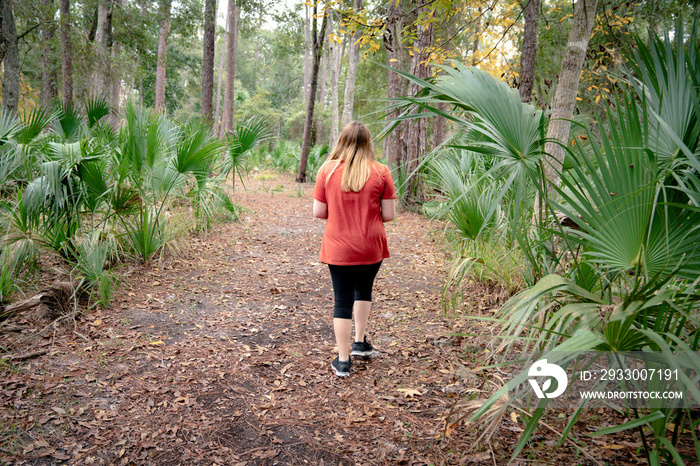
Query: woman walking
356	195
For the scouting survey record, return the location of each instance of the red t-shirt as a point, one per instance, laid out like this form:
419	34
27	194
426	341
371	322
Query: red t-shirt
354	233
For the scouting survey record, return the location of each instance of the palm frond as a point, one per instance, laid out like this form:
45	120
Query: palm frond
34	123
96	109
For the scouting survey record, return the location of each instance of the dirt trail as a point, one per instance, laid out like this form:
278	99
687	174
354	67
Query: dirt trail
221	356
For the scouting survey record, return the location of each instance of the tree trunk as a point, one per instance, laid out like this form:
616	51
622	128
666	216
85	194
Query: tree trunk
257	49
417	130
527	57
217	120
48	76
351	78
567	87
10	58
325	57
116	81
317	134
101	75
208	59
162	55
394	143
307	51
229	95
66	54
439	129
335	117
308	122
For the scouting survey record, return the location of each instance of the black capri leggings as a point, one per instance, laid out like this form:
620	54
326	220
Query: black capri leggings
351	283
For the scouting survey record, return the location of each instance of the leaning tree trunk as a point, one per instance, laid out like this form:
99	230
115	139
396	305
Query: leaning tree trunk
394	143
308	122
567	87
232	43
208	59
10	59
162	55
527	57
66	54
351	78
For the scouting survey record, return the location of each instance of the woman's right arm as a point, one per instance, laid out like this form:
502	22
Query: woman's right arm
388	210
320	209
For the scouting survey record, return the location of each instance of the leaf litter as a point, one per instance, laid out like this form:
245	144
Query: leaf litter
221	355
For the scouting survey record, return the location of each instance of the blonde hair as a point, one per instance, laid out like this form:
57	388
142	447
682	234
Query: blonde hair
354	147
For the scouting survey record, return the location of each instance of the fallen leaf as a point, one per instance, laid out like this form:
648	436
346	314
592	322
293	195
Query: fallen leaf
409	392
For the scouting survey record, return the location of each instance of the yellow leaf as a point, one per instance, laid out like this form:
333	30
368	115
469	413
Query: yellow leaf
97	322
597	98
157	343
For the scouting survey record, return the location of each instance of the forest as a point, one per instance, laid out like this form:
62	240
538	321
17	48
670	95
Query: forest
161	300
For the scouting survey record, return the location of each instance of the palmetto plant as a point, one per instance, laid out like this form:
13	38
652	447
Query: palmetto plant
83	180
246	134
156	159
624	271
317	155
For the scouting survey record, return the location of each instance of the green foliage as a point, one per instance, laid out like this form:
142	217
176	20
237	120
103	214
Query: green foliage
91	256
95	110
284	157
317	155
614	257
241	140
97	196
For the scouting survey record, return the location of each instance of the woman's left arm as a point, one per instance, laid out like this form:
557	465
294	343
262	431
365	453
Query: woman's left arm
388	210
320	209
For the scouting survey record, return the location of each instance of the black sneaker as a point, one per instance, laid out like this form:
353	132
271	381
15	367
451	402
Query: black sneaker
361	348
341	368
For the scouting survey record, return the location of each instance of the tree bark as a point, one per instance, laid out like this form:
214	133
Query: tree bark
116	81
217	120
567	87
48	75
317	134
308	122
328	51
394	143
66	54
208	59
257	49
101	75
232	44
307	52
417	130
527	57
10	59
351	77
335	112
162	55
